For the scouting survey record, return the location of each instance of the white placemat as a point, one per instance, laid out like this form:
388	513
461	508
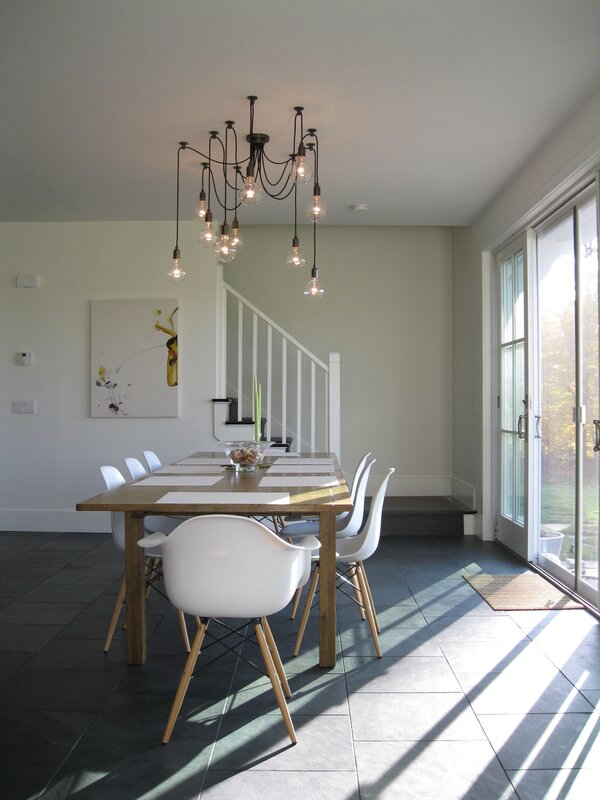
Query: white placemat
227	498
180	480
198	469
304	460
204	460
300	480
297	467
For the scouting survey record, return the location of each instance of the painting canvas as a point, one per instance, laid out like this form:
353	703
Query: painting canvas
134	358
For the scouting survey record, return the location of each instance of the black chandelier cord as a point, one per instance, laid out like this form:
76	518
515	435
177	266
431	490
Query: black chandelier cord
312	132
182	146
295	210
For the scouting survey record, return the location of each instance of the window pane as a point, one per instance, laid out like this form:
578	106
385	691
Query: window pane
519	311
506	291
507	475
507	416
588	273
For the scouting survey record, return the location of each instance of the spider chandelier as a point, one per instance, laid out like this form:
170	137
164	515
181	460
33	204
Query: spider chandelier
231	182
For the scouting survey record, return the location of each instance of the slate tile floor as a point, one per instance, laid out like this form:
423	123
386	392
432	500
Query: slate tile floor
466	703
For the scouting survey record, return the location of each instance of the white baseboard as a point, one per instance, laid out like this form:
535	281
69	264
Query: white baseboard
413	485
54	520
463	492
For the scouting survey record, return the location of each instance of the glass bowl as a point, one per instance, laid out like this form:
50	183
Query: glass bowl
245	456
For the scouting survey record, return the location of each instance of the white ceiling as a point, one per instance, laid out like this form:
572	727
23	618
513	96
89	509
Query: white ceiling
424	108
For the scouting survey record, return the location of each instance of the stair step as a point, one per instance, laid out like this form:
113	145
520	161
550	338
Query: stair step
423	516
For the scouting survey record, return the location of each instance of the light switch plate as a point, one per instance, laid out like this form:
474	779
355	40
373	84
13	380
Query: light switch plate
24	407
28	281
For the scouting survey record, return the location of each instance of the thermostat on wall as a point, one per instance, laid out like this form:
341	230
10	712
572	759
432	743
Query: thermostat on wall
28	281
23	359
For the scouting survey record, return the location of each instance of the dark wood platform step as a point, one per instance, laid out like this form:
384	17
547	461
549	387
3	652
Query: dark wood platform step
423	516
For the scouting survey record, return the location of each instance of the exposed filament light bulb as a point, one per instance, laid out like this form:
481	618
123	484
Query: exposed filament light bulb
251	193
176	272
313	290
316	209
302	172
201	207
236	237
295	259
224	249
208	235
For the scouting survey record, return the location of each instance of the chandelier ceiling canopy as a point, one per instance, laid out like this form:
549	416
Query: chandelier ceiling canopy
232	179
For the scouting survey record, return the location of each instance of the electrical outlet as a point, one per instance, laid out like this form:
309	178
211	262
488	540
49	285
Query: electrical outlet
23	359
24	407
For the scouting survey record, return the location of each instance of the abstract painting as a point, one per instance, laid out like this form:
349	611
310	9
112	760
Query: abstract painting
134	358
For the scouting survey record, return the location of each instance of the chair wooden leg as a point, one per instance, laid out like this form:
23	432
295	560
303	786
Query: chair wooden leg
276	657
370	593
369	611
357	594
295	602
184	632
115	615
270	667
307	606
188	671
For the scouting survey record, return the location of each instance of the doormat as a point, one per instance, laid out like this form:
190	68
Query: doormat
520	592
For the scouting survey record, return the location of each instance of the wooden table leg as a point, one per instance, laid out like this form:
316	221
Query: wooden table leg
327	589
135	597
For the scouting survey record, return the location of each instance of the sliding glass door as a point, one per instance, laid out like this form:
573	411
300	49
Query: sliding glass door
513	411
568	396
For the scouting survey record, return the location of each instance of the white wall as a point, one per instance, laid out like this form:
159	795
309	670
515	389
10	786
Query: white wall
50	461
387	311
572	152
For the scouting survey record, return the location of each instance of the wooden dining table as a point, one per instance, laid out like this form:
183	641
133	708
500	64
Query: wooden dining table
203	483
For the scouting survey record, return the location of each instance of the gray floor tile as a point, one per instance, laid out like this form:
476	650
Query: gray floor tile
300	785
58	690
474	629
519	690
324	743
408	724
145	716
39	737
314	692
413	717
81	654
491	656
123	769
422	770
52	592
23	613
556	784
26	638
402	674
357	641
544	741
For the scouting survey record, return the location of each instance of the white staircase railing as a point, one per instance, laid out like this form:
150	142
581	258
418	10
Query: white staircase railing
301	393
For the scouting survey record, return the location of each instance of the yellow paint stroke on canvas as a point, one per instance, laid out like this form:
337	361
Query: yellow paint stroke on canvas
172	348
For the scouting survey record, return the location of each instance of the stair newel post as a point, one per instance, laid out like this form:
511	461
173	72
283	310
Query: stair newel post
334	405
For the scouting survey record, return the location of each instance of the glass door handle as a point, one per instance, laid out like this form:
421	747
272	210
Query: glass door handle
538	426
596	435
522	426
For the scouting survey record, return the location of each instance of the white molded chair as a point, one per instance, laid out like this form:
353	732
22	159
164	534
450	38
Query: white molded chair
345	525
113	479
350	555
222	566
136	469
152	460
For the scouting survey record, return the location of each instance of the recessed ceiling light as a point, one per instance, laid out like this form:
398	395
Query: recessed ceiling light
359	207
